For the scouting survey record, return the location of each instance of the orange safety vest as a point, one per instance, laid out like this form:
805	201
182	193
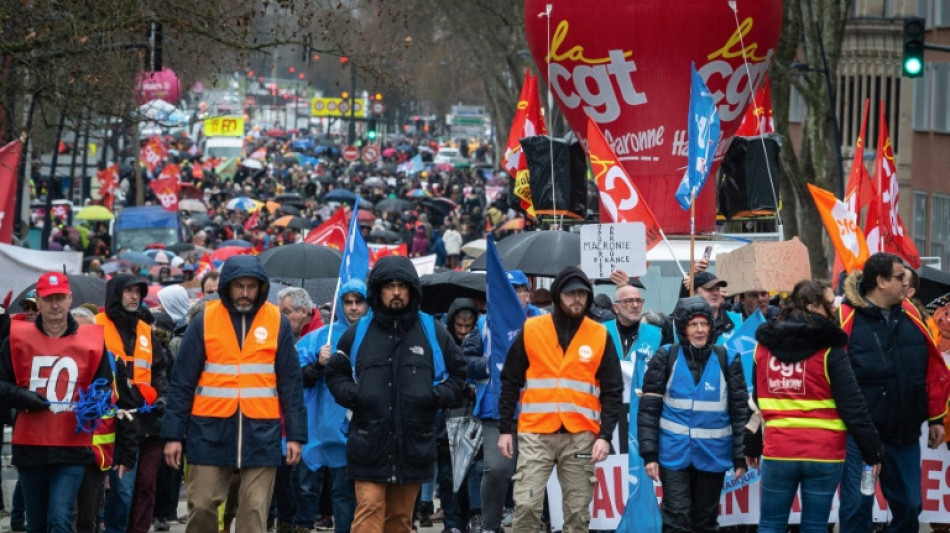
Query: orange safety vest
235	375
141	358
561	389
801	418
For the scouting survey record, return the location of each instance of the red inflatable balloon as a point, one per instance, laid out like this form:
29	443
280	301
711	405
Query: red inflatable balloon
626	64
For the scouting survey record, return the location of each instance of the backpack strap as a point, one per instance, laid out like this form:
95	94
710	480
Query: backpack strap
439	372
361	326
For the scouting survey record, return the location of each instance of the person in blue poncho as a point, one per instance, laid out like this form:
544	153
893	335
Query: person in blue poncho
326	420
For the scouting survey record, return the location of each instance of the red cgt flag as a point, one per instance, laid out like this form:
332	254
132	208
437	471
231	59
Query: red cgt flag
859	190
377	252
167	190
108	181
171	171
528	122
620	201
884	227
153	153
9	170
758	117
331	233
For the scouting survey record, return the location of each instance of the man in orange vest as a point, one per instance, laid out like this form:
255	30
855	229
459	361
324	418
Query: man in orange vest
237	373
572	398
130	501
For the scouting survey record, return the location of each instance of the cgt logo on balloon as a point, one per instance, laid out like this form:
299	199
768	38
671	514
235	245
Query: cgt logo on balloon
626	65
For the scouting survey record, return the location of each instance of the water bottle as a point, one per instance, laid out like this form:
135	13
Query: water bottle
867	481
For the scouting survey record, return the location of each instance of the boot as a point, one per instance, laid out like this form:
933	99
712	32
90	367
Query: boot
284	527
425	514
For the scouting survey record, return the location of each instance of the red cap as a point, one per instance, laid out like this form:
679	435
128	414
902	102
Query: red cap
52	283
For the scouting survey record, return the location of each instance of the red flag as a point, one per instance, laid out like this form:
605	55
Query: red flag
251	222
620	201
859	190
153	153
172	171
331	233
378	251
758	116
167	189
528	122
108	180
9	170
884	227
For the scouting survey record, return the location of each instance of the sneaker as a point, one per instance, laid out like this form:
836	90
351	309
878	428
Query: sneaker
507	517
475	524
161	524
438	515
324	523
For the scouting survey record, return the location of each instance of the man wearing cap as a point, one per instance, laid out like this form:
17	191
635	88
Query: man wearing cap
44	366
129	335
566	373
28	306
235	383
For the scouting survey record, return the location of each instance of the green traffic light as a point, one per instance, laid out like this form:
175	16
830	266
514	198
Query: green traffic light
371	134
913	66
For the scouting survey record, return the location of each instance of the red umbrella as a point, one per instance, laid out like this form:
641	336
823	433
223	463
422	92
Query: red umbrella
151	299
225	252
275	133
365	216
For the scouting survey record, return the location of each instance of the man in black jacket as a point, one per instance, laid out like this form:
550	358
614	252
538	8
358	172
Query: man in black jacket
391	449
572	398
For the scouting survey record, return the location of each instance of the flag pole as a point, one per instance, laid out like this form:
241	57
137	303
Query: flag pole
336	294
350	235
673	255
692	240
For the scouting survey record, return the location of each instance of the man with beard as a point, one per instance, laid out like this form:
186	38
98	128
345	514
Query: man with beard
572	398
130	501
406	366
237	376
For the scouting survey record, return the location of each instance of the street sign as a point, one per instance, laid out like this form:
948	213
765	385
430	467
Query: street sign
351	153
370	153
378	108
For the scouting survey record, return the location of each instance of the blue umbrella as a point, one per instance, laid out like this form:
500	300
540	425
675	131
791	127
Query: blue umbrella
236	242
320	149
137	258
340	195
302	145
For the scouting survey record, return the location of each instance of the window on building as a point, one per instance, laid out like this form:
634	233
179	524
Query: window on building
940	228
920	221
941	115
922	92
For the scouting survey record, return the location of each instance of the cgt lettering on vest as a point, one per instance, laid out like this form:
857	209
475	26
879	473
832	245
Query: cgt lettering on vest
55	378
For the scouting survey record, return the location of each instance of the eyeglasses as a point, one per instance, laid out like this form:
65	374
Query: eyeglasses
629	301
898	277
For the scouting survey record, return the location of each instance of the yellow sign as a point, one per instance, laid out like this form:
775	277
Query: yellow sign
336	107
224	127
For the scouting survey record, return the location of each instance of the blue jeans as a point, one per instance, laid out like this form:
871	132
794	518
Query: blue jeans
119	500
780	481
344	499
900	484
306	494
49	493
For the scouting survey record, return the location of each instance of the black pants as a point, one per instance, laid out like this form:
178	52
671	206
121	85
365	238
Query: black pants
690	500
167	492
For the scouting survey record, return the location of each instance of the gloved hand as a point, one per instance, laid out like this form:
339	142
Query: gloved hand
311	373
30	400
470	393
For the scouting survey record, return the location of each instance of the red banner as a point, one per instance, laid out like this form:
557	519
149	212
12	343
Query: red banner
167	190
758	117
153	153
170	171
528	122
9	170
108	181
331	233
626	65
377	251
620	201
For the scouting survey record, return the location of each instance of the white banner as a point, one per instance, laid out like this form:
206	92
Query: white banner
21	267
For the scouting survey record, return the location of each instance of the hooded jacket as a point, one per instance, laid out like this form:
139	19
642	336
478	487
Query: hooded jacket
125	323
800	337
517	362
174	300
391	437
889	355
658	374
237	441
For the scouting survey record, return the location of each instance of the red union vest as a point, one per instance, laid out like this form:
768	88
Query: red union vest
58	368
801	418
561	388
141	358
234	376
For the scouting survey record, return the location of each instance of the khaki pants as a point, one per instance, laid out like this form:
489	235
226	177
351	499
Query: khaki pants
537	456
383	507
208	488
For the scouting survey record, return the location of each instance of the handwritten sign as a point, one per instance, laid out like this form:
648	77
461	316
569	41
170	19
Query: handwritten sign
609	247
764	266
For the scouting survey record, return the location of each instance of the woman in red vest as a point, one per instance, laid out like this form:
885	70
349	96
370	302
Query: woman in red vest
809	400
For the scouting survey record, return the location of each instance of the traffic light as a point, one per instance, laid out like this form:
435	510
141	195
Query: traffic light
371	130
913	65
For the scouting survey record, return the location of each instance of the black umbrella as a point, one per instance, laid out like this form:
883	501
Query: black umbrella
393	205
85	289
537	253
321	290
933	284
439	290
287	209
301	260
325	178
290	198
384	235
179	247
293	222
201	219
340	195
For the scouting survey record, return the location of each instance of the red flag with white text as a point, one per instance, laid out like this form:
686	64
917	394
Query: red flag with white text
152	153
251	223
331	233
108	181
620	201
528	122
758	116
172	171
9	170
884	227
860	190
167	191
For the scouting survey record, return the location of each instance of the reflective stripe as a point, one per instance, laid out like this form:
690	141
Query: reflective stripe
695	433
776	404
105	438
219	368
687	403
564	383
217	392
560	408
259	392
142	363
811	423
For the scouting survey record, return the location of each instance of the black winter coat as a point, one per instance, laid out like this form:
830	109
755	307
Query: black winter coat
391	437
799	338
